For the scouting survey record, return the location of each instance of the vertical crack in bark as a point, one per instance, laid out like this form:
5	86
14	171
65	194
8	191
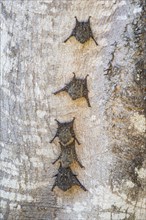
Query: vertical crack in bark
112	70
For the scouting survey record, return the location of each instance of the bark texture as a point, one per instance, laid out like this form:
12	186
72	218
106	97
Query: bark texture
35	63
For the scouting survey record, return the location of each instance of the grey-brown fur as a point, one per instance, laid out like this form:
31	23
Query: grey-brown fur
76	88
65	179
68	155
65	132
82	31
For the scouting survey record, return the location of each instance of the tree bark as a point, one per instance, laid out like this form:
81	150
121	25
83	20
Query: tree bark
35	63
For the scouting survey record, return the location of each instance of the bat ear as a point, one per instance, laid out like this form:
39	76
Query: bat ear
76	19
73	120
89	19
86	76
74	75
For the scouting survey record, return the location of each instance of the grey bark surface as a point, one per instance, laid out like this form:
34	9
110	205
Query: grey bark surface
35	63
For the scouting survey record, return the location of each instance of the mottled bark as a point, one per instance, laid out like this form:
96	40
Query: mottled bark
35	63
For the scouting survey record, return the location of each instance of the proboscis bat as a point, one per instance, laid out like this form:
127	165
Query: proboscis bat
65	179
82	31
65	132
76	88
68	155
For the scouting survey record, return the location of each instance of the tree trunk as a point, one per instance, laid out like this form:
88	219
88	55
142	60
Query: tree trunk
35	63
